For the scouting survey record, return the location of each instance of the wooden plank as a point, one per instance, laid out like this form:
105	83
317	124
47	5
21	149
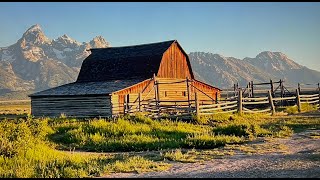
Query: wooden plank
256	111
216	105
309	96
310	102
258	102
220	108
283	98
219	112
309	99
255	99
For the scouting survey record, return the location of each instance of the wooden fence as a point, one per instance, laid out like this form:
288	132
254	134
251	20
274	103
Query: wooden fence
257	104
238	104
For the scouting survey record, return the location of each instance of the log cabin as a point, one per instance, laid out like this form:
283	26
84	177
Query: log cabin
115	80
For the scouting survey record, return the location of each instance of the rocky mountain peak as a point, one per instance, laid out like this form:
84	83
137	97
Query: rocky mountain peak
34	36
34	28
99	41
65	39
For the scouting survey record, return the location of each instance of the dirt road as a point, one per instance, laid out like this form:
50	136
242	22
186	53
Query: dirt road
301	160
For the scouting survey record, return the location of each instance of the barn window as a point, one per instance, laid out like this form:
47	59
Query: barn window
184	93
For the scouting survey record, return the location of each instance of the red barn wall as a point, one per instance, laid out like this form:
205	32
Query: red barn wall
174	64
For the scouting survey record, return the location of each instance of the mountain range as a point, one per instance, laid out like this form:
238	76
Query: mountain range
36	62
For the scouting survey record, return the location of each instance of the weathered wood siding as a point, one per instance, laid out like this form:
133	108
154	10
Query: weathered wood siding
179	91
146	88
174	64
203	90
170	89
78	106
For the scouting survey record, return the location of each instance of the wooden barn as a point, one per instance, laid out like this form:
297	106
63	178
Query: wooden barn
117	80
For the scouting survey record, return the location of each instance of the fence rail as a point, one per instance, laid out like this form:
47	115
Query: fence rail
265	104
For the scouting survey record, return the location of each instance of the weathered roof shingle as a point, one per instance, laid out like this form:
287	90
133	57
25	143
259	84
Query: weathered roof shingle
87	88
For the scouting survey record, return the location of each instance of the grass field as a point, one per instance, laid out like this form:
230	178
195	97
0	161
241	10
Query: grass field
9	109
47	147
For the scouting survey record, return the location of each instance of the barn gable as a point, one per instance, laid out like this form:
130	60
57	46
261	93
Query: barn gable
165	59
129	62
175	63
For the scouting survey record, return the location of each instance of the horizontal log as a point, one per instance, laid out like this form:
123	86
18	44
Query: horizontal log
261	90
309	88
283	98
255	111
217	105
255	99
309	96
310	102
309	99
218	112
257	102
219	108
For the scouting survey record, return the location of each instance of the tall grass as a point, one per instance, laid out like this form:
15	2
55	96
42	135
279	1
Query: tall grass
305	107
26	152
28	147
136	133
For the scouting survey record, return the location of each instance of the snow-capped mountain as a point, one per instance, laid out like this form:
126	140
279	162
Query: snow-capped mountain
36	62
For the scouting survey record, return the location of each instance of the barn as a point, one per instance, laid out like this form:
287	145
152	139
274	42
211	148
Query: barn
116	80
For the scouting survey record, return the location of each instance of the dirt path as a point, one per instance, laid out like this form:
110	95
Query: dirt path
301	160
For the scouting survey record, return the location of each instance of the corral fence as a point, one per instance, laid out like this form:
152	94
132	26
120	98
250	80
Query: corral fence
264	104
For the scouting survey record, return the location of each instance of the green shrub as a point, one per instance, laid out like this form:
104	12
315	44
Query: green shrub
211	141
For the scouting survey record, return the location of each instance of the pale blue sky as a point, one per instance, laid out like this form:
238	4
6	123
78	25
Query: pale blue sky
231	29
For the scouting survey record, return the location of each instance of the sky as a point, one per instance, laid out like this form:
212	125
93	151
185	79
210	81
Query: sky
237	29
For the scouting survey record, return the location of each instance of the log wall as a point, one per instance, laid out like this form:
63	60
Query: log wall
79	106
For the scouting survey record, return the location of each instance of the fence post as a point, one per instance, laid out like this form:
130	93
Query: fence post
249	89
252	93
299	88
273	109
271	87
319	94
197	104
125	105
240	102
216	96
140	102
298	100
188	89
156	91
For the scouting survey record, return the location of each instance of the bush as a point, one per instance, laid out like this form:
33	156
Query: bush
211	141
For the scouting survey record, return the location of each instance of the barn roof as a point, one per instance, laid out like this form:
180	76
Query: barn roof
127	62
87	88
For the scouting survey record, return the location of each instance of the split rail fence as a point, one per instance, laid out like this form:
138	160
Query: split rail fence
238	104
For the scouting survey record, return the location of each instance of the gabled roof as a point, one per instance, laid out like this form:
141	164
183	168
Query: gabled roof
87	88
128	62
